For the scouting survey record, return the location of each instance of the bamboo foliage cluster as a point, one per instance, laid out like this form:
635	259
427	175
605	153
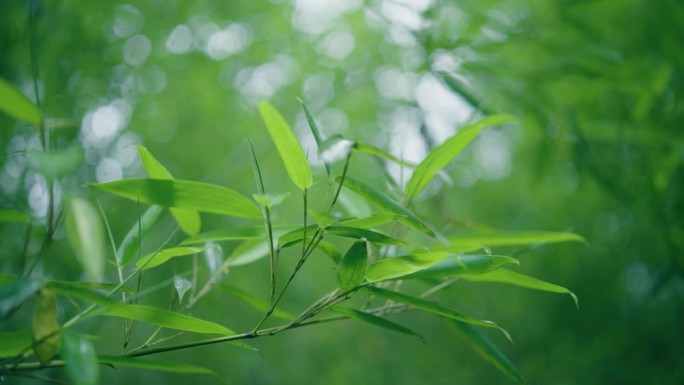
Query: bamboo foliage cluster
373	267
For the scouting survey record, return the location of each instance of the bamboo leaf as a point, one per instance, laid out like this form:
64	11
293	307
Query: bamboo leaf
464	265
316	134
130	246
522	280
441	155
157	258
386	203
486	348
287	145
227	234
18	106
80	358
86	234
8	215
135	362
374	320
14	291
14	343
254	302
433	307
514	238
190	195
373	220
249	252
372	150
352	268
188	220
370	235
78	291
55	164
164	318
396	267
45	326
331	250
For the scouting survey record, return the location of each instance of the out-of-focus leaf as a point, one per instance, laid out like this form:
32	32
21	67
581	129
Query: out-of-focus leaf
288	147
372	150
256	303
294	236
213	256
352	268
45	326
55	164
80	358
188	220
441	155
81	292
135	362
164	318
514	238
331	250
464	265
190	195
130	246
270	200
14	343
374	320
483	346
396	267
433	307
182	286
8	215
17	105
386	203
86	234
374	220
354	204
316	133
14	291
323	219
228	234
157	258
460	247
80	285
513	278
249	252
370	235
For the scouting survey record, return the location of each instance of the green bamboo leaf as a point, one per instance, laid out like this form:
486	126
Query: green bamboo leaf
433	307
295	236
396	267
164	318
331	250
486	348
522	280
80	292
14	291
373	220
130	246
270	200
80	358
135	362
249	252
86	234
374	320
316	134
287	145
514	238
190	195
323	219
256	303
440	156
8	215
372	150
157	258
14	343
227	234
386	203
55	164
464	265
45	326
352	268
370	235
188	220
18	106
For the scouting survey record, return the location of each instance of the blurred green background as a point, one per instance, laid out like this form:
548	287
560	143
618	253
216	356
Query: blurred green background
598	150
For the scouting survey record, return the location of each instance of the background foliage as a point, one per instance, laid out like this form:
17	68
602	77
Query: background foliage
598	151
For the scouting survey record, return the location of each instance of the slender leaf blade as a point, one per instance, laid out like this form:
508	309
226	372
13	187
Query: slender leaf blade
433	307
386	203
17	105
288	147
45	326
515	238
397	267
486	348
55	164
352	268
464	265
373	220
316	133
157	258
190	195
86	234
372	150
8	215
80	358
135	362
374	320
130	246
370	235
441	155
522	280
